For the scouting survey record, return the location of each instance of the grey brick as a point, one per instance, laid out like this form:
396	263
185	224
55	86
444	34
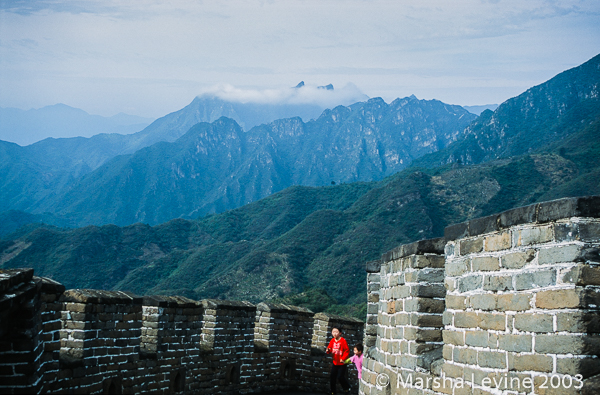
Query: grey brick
537	279
497	283
516	343
530	236
517	260
560	254
539	323
469	283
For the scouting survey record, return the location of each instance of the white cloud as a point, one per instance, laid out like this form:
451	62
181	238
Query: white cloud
307	94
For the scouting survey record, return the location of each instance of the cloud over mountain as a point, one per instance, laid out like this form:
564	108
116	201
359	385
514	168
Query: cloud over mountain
301	94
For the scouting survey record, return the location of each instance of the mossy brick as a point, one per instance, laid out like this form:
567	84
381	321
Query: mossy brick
558	298
491	359
471	246
530	362
516	343
517	260
483	302
456	338
498	283
534	322
535	279
514	302
476	338
457	267
470	283
532	235
497	242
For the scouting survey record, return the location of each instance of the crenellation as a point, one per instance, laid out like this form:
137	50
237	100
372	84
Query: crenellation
521	303
93	341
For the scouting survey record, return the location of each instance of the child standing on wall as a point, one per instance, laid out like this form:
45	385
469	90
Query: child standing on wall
339	349
357	359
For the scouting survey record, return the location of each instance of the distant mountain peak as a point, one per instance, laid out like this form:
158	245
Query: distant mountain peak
327	87
300	84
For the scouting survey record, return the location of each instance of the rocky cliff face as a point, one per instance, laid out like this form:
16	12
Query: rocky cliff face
215	167
523	124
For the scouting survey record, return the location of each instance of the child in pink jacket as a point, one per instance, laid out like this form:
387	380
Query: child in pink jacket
357	359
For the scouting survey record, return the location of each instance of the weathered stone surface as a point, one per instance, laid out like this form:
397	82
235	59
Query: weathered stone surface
471	246
517	260
457	231
485	263
483	225
498	242
558	299
532	235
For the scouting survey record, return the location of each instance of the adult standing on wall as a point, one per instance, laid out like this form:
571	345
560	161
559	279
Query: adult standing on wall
339	349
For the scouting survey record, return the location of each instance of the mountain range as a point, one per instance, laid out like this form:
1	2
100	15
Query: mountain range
309	244
218	166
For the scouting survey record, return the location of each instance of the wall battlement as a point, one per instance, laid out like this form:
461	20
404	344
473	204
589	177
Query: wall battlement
505	304
92	341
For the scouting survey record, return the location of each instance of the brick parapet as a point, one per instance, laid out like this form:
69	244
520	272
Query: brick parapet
92	341
409	308
522	301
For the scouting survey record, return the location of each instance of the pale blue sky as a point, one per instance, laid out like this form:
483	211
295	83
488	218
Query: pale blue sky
150	58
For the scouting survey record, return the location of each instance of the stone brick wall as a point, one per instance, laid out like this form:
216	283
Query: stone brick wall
91	341
521	310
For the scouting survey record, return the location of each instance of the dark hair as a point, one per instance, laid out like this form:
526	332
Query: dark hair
335	327
359	347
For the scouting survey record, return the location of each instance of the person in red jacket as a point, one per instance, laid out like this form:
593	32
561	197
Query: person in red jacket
340	351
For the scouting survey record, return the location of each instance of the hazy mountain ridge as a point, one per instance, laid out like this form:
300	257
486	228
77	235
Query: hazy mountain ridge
29	126
218	166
